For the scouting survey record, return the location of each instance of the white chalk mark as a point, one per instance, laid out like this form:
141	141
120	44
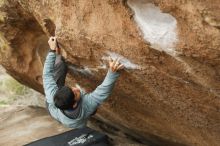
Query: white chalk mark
127	63
102	66
87	70
158	28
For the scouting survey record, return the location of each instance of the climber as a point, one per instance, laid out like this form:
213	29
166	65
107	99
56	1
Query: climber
72	106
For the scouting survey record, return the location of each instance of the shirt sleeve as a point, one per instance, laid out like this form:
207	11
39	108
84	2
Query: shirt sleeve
49	84
101	93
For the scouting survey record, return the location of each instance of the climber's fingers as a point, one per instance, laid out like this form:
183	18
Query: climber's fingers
52	43
115	65
121	66
52	39
110	59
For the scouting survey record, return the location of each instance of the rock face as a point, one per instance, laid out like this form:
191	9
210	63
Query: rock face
170	92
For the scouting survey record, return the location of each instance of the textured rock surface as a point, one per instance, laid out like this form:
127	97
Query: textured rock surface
166	100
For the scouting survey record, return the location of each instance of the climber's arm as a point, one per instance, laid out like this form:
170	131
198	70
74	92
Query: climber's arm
102	92
49	84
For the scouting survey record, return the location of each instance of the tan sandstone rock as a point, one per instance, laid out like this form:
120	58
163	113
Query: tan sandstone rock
170	93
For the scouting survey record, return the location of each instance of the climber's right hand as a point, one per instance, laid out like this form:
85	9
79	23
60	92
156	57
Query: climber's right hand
115	65
52	43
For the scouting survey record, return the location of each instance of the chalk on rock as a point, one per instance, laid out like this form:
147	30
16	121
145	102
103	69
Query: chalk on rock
127	63
157	28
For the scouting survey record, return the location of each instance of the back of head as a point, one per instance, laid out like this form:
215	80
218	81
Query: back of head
64	98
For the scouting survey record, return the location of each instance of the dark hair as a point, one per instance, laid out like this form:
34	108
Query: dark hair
64	98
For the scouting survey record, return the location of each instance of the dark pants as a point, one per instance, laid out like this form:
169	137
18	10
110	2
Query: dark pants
60	71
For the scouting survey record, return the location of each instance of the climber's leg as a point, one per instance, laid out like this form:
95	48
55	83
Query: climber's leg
60	70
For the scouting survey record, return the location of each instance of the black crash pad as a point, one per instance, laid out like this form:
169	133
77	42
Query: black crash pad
76	137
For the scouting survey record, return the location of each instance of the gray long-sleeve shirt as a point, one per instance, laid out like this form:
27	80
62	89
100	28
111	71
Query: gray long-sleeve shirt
90	101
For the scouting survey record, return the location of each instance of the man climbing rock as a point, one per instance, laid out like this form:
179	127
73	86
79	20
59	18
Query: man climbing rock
72	106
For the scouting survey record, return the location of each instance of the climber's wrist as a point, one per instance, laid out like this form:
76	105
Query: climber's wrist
51	50
58	50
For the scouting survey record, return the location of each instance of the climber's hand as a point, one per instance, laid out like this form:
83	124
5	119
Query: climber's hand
115	65
52	43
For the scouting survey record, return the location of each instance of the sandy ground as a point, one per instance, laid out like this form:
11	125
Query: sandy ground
22	124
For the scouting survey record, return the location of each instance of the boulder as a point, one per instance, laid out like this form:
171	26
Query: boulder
169	93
